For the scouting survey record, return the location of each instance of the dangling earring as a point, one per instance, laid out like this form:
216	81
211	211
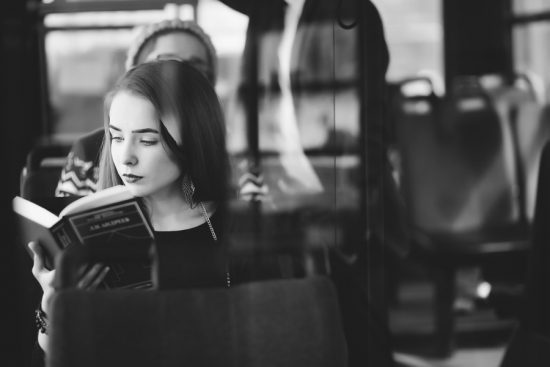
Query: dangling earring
188	190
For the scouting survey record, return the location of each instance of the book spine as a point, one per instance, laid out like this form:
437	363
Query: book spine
64	233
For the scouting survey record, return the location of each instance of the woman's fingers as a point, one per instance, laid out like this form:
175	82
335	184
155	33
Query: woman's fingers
87	275
92	277
43	276
100	277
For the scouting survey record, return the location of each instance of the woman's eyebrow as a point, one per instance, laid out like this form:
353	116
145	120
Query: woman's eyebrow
139	131
154	131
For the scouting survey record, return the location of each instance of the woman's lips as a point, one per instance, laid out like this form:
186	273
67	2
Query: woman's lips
129	178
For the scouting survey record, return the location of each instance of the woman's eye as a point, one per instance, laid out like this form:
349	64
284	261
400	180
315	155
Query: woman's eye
148	142
116	138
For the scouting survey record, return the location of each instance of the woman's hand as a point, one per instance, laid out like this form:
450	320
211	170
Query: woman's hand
43	276
89	277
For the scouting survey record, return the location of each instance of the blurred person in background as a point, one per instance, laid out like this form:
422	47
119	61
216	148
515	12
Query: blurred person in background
302	57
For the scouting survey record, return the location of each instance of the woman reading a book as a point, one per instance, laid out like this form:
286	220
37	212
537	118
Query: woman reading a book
165	140
167	145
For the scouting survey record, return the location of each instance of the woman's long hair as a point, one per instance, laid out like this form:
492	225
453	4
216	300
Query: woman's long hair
181	93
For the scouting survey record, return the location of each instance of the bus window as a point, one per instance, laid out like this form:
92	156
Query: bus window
414	33
80	77
530	6
531	50
228	37
85	54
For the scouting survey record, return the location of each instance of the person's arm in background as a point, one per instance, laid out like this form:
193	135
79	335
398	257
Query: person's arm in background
242	6
79	176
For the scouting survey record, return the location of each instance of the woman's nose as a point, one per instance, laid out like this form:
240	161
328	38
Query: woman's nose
129	158
130	161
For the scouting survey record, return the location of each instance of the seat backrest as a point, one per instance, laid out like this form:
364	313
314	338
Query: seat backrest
519	107
275	322
415	126
527	348
530	344
292	322
533	133
458	168
537	313
42	170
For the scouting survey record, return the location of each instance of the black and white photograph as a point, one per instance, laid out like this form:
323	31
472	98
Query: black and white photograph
269	183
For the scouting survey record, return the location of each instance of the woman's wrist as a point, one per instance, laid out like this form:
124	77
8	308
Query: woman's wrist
41	320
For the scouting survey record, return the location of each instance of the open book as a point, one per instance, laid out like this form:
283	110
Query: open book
108	217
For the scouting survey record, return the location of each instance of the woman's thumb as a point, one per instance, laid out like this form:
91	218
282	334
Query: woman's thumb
37	256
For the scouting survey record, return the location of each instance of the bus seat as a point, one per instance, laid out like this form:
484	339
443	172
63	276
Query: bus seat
282	322
534	132
42	170
272	323
537	315
530	344
527	349
459	185
519	107
459	165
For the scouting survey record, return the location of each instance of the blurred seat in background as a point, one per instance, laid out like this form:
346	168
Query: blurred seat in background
459	184
519	103
39	177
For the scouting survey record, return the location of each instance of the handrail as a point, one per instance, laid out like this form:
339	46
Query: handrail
529	18
78	6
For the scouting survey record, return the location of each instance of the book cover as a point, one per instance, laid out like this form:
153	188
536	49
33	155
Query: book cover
111	217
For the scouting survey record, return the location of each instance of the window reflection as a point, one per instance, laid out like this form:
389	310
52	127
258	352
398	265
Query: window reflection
414	33
530	6
82	67
532	52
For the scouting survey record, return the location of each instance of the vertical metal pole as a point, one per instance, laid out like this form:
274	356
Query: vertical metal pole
251	94
365	113
45	107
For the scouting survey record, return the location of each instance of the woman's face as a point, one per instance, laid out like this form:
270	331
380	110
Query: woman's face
140	158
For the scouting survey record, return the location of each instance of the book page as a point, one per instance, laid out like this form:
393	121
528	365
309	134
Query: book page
34	212
104	197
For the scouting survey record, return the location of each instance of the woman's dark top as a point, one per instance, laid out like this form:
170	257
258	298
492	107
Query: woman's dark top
191	257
